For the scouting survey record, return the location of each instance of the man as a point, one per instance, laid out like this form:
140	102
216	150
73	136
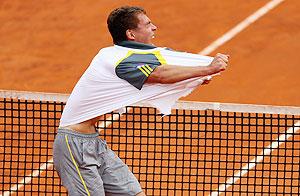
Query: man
130	71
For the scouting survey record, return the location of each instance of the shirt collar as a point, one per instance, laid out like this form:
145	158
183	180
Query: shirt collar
135	45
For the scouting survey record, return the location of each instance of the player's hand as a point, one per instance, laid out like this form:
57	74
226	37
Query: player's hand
220	62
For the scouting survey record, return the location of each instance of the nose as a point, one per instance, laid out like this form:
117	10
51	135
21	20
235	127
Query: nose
154	27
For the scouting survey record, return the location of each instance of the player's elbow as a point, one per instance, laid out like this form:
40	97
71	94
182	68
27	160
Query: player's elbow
162	75
155	77
159	75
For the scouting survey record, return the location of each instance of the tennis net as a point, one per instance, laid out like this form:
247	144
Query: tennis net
200	149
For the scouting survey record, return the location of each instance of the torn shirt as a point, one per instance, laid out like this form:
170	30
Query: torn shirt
116	78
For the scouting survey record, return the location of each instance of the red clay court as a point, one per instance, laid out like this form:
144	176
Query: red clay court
46	46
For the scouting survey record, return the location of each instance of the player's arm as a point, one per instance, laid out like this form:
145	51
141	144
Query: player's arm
166	74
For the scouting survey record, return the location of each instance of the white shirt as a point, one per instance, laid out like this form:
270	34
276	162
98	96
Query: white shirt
100	90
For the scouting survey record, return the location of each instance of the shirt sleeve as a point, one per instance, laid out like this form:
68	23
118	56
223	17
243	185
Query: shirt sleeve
136	68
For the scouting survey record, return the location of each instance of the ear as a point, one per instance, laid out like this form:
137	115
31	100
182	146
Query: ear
130	35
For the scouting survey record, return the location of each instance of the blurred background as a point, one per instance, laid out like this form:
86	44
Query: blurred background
46	45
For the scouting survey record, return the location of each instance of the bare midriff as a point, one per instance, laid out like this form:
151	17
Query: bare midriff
84	127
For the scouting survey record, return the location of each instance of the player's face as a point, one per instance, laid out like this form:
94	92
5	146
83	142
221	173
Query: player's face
144	32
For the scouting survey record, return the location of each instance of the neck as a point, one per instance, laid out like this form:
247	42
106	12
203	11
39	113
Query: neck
135	45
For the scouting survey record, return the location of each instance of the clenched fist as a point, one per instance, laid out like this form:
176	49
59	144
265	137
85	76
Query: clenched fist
220	62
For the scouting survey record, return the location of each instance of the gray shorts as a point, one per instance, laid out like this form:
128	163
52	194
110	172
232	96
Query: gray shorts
87	166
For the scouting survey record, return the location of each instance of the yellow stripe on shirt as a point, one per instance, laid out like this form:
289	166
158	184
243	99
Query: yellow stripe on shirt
146	70
149	68
160	58
142	70
74	162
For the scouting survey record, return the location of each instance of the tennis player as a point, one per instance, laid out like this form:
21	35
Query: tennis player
131	70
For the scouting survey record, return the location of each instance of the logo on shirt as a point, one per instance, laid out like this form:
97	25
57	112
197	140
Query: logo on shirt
145	69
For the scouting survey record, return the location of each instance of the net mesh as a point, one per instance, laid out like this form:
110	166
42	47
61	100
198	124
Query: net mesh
190	152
